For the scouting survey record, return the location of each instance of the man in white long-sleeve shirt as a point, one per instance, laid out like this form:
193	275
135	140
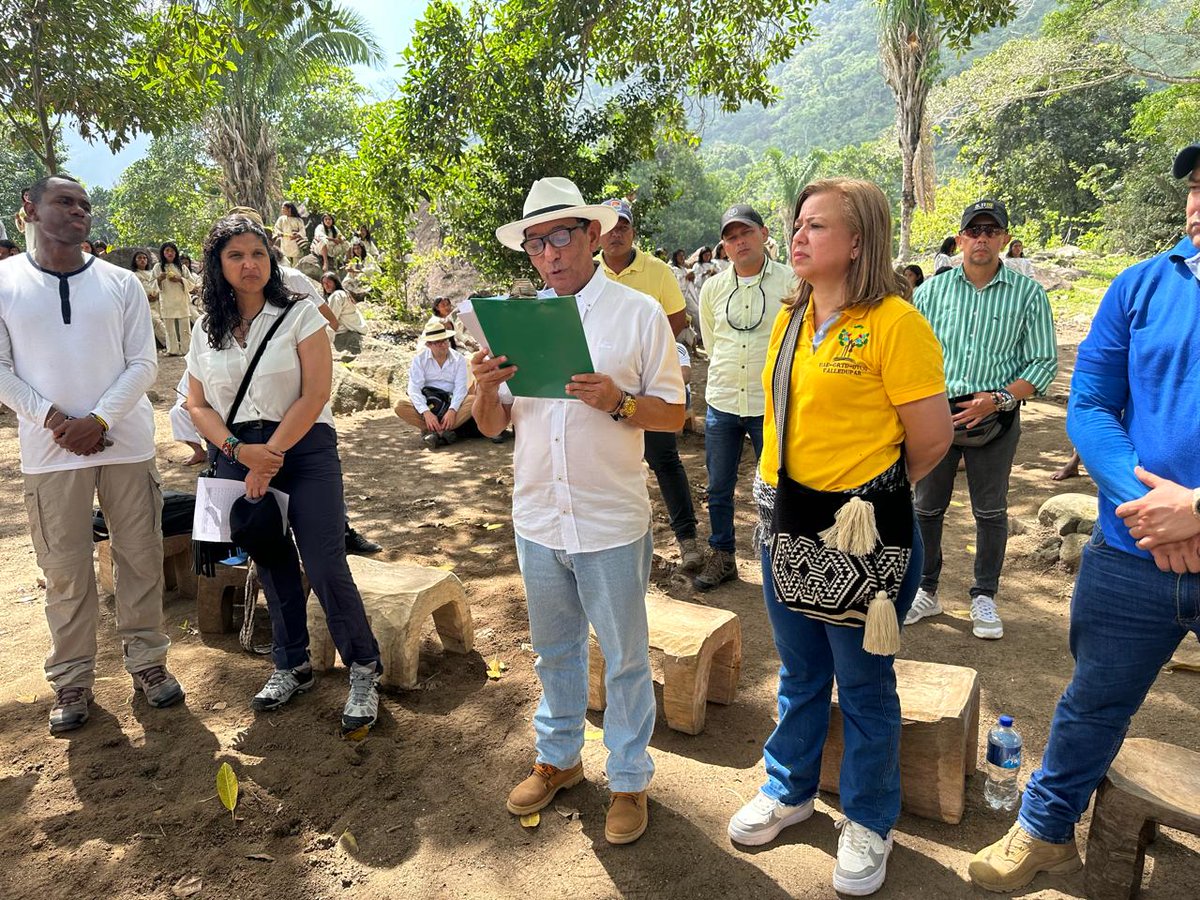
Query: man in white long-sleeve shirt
438	399
76	359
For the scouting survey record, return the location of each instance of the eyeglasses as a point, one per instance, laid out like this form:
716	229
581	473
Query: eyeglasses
558	238
977	231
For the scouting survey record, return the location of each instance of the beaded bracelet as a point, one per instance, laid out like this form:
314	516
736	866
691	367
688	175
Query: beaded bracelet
229	447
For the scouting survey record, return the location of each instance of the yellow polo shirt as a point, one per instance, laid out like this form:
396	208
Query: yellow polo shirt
843	428
652	277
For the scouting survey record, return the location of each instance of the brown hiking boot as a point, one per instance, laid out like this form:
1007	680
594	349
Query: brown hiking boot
721	566
70	709
691	558
1016	859
158	686
627	818
544	781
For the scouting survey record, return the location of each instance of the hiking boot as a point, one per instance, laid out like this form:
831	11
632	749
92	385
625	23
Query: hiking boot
761	820
282	686
544	781
356	543
691	559
70	710
627	817
861	860
430	440
720	567
1016	859
449	436
985	621
924	605
158	685
362	706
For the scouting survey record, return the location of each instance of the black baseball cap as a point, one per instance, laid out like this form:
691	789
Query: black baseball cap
993	208
1186	161
741	212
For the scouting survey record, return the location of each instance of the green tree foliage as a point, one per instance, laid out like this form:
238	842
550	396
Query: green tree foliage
1044	156
497	95
102	226
171	194
677	203
113	68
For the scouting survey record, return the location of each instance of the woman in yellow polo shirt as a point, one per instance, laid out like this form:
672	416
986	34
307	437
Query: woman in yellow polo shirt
857	413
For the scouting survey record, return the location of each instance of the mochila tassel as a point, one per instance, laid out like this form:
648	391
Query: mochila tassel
882	633
853	530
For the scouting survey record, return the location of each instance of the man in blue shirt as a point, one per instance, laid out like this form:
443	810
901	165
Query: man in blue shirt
1134	415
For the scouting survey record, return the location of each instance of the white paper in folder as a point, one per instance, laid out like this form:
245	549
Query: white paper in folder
214	501
466	315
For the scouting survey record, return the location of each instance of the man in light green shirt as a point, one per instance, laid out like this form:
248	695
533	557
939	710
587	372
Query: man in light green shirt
737	309
997	337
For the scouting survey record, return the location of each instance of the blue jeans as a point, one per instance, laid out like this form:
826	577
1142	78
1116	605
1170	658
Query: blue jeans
566	591
1127	618
724	437
811	654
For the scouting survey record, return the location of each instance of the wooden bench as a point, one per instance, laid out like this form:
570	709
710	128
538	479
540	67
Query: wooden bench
702	650
399	600
177	566
216	597
1149	784
939	738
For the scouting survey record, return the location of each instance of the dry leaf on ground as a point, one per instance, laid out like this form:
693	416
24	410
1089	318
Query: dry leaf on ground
348	842
496	669
187	886
227	786
531	821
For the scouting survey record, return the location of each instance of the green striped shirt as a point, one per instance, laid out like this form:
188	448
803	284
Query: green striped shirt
990	338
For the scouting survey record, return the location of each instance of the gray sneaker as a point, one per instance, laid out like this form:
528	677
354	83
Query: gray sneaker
282	686
720	567
158	685
691	559
70	710
430	440
760	821
362	706
861	860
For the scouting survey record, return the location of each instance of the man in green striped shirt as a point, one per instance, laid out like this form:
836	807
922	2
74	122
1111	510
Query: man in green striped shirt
997	335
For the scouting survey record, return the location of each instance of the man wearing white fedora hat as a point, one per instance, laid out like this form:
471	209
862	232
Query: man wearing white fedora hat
580	507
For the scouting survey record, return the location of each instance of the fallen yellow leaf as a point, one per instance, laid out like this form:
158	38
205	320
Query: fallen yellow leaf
27	698
531	821
357	734
348	842
492	526
593	734
957	503
227	786
971	549
496	669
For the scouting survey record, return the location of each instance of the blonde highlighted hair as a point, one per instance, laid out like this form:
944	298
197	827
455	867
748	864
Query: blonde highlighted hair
869	216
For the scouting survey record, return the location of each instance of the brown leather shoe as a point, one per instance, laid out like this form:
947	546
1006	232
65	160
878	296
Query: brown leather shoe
544	781
627	818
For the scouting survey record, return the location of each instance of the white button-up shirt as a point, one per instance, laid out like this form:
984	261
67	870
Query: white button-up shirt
578	481
735	321
426	372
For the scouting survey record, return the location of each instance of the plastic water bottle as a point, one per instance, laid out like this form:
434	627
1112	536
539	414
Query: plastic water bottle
1003	766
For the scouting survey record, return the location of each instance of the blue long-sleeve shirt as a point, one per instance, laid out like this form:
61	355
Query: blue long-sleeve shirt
1135	393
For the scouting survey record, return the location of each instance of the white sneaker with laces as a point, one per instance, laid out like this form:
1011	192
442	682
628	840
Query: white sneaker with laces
985	620
761	820
861	860
923	606
362	706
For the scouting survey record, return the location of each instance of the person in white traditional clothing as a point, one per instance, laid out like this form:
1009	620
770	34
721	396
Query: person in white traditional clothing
144	271
329	243
289	229
175	298
351	326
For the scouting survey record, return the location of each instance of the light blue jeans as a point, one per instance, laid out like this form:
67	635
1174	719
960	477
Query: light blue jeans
566	591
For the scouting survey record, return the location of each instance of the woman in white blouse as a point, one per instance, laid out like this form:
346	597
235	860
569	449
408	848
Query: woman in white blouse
289	228
351	325
175	297
282	436
329	243
145	276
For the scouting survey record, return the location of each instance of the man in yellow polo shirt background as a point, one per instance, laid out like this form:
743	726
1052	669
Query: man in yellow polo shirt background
625	264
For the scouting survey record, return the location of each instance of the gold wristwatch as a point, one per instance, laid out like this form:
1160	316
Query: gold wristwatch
626	408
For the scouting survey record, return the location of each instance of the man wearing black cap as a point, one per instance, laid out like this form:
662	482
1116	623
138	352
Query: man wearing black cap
997	337
737	309
1134	414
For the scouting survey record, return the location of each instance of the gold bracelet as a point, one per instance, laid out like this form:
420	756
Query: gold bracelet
103	424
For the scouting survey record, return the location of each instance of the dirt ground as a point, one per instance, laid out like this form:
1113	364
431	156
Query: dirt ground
127	807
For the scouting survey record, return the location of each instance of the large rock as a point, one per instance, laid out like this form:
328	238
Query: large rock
1070	513
352	392
1072	550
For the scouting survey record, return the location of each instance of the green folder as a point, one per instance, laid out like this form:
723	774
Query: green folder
542	337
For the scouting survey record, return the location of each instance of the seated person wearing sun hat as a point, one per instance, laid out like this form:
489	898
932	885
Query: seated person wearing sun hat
438	401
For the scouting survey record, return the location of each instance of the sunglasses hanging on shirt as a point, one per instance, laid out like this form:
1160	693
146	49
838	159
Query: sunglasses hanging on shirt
64	285
762	314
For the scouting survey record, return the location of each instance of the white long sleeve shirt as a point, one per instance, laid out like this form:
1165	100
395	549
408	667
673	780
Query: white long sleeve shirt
425	372
103	362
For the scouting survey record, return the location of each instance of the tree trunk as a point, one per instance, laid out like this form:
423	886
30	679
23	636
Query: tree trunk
242	144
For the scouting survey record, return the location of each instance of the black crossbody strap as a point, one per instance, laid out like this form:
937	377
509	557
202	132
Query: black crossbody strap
781	378
245	385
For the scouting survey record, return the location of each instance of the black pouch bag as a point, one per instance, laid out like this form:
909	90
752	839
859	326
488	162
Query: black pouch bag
986	431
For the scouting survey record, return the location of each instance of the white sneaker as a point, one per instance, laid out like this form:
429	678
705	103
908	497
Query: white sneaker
761	820
985	620
923	606
861	860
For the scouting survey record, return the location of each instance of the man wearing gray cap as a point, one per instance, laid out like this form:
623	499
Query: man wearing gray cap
1135	417
737	309
997	337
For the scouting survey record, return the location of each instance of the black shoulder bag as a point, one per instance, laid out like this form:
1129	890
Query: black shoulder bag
206	554
838	557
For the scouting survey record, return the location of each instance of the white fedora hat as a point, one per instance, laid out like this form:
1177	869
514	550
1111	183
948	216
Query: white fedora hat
550	199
